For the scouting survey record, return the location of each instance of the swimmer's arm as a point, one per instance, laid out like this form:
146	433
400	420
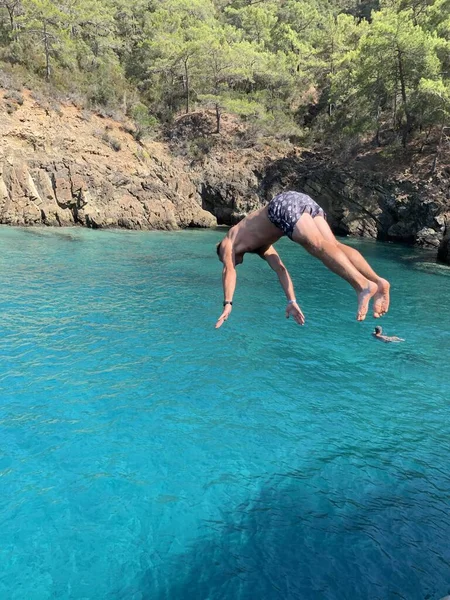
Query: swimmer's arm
228	281
387	339
270	255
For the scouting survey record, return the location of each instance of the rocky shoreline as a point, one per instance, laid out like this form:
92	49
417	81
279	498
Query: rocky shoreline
64	168
359	202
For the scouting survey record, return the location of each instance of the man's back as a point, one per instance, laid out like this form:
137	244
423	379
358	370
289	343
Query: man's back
253	232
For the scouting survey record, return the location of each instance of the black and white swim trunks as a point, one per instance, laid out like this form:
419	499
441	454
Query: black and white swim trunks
286	208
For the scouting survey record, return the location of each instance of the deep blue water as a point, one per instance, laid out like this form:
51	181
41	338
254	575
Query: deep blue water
145	455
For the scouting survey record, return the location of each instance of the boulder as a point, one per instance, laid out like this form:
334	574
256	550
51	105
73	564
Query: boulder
428	238
444	249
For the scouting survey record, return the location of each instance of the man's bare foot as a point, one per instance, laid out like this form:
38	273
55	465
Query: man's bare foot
364	297
381	299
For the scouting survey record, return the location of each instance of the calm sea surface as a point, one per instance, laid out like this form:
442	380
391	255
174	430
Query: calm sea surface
146	456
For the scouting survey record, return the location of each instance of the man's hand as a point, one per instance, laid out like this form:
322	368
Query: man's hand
294	309
224	316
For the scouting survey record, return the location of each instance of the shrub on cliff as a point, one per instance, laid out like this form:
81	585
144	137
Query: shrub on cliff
366	61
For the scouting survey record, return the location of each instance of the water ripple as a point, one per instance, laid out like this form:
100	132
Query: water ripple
146	455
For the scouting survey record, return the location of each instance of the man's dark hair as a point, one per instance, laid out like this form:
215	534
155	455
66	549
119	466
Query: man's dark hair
218	248
378	329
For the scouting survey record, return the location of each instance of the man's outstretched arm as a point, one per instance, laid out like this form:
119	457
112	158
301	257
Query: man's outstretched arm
270	255
228	280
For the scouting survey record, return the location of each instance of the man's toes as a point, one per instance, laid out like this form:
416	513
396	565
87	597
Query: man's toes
377	305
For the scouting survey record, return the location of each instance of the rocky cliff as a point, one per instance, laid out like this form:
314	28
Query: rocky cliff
392	198
63	166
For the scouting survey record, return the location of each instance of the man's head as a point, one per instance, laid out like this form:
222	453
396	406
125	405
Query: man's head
378	330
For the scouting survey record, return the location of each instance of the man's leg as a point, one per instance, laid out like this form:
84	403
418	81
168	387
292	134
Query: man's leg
307	234
381	298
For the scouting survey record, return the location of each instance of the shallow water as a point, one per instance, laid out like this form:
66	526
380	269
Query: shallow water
144	455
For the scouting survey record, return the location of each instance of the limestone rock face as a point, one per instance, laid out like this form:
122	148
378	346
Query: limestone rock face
61	169
358	201
229	191
365	203
69	194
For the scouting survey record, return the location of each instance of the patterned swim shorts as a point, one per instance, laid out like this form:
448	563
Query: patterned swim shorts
286	208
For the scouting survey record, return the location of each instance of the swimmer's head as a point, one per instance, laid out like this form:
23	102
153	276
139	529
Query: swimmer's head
378	330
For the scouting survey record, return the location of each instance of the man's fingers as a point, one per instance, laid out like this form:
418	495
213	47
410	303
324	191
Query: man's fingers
297	315
223	317
300	318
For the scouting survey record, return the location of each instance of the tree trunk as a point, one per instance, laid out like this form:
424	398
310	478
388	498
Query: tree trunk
377	134
332	56
394	108
47	53
407	125
11	17
11	13
186	84
438	149
217	118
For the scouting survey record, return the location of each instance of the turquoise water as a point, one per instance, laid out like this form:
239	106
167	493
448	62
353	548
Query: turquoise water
145	455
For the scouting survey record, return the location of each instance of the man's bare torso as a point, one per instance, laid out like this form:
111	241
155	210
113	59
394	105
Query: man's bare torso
254	232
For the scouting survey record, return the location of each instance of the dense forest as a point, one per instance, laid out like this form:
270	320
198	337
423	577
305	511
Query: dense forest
328	71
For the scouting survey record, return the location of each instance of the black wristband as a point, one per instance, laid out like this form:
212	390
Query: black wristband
227	302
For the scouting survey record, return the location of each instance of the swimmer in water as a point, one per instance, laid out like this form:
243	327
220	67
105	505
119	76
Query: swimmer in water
300	218
378	334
